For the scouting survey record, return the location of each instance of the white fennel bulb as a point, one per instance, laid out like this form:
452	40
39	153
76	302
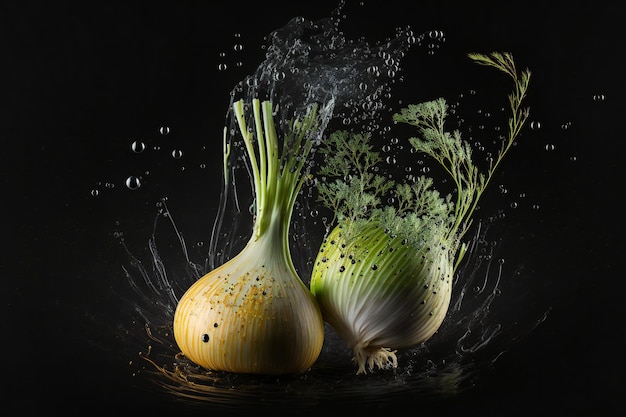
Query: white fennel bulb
253	314
383	275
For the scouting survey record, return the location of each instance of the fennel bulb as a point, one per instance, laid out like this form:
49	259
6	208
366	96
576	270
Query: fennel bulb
253	314
383	275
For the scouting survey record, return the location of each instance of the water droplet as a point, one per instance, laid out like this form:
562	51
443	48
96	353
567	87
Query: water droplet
550	147
599	97
222	67
133	182
137	146
95	192
164	130
514	204
177	154
535	125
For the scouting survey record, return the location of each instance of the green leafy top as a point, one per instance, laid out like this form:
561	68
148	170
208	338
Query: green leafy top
420	214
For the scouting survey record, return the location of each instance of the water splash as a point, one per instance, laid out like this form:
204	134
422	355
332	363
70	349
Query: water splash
311	62
444	366
307	62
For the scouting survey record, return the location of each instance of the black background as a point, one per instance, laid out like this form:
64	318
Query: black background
81	80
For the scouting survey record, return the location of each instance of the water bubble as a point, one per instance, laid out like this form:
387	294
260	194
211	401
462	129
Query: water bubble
177	154
550	147
372	69
137	146
599	97
133	182
164	130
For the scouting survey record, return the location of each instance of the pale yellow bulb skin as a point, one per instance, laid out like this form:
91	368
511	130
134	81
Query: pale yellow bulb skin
251	315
